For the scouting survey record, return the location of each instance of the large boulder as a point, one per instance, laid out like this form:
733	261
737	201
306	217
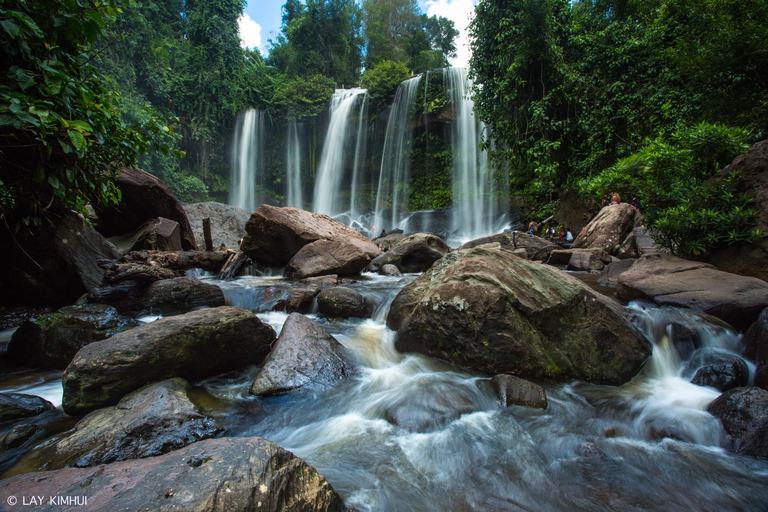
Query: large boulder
670	281
227	223
14	406
158	234
756	348
56	266
192	346
610	229
744	415
153	420
304	355
389	241
415	253
52	340
496	313
748	259
343	302
167	297
274	235
327	257
216	475
144	197
530	247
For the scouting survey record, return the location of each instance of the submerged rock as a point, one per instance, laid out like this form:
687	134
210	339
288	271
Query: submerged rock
52	340
14	406
153	420
415	253
327	257
344	302
610	229
192	346
511	390
494	312
304	355
216	475
743	413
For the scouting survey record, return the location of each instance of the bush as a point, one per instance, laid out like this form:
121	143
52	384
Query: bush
382	81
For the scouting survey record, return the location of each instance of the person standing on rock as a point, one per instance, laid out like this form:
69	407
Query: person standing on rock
532	227
615	198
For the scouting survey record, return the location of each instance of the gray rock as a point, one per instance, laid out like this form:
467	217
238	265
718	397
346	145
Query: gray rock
530	247
511	390
723	376
415	253
389	270
227	223
344	302
610	276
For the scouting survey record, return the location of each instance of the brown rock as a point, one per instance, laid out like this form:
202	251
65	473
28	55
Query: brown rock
512	390
301	299
610	276
343	302
327	257
609	229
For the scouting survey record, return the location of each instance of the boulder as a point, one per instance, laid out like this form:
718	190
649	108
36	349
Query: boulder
389	241
274	235
574	211
609	229
154	235
304	355
610	275
511	390
14	406
415	253
743	413
389	270
216	475
748	259
52	340
344	302
327	257
756	348
192	346
534	247
144	198
628	248
301	299
580	259
644	242
167	297
56	266
670	281
227	223
153	420
494	312
723	376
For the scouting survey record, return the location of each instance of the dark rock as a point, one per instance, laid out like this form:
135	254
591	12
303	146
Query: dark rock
215	475
494	312
144	198
19	434
301	299
344	302
511	390
153	420
159	234
609	229
167	297
14	406
756	348
723	376
535	247
389	270
574	211
389	241
628	248
670	281
192	346
744	415
274	235
327	257
227	223
52	340
610	276
304	355
415	253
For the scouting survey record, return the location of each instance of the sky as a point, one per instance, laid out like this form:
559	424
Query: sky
262	18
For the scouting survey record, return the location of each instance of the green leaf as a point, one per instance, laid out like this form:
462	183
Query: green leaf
80	126
10	27
77	139
53	182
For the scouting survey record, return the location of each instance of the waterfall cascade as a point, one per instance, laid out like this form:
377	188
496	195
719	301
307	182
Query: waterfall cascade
247	151
293	195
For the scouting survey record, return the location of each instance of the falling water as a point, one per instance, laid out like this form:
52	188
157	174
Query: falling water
330	172
360	150
396	157
247	150
293	166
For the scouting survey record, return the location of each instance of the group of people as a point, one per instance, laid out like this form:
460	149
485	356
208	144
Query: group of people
615	198
552	232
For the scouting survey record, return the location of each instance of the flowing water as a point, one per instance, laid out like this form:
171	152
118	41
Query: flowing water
247	151
413	433
293	196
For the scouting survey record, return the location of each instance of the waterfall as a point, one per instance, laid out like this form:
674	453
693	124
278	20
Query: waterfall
293	166
247	150
360	151
330	172
396	157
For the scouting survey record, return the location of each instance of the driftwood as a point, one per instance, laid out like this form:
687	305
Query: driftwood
207	234
137	272
179	261
232	265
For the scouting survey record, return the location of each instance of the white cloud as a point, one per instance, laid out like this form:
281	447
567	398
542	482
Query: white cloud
250	33
461	12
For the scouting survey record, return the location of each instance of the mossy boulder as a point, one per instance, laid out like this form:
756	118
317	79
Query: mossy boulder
492	311
193	346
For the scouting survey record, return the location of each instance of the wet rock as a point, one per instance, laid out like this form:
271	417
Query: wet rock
389	241
331	280
670	281
344	302
215	475
610	276
429	411
166	297
274	235
227	223
19	434
535	247
723	376
301	299
144	197
415	253
304	355
756	348
52	340
389	270
590	259
511	390
609	229
158	234
153	420
14	406
496	313
743	413
192	346
327	257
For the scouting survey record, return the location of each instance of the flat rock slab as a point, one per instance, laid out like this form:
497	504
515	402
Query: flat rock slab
670	281
192	346
215	475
